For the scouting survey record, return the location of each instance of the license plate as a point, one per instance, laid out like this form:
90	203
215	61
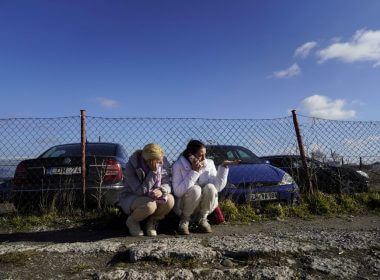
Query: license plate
263	196
64	170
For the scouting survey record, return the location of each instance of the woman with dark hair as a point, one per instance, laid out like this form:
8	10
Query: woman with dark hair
196	184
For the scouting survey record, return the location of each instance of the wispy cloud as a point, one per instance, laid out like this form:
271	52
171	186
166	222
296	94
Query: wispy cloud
358	103
304	50
335	39
107	102
364	46
323	107
292	71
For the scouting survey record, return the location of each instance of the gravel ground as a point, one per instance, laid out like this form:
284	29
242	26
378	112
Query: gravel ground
341	248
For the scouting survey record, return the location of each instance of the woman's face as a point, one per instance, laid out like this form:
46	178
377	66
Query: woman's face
201	154
154	163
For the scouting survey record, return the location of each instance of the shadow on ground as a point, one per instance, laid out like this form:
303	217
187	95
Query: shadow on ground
90	231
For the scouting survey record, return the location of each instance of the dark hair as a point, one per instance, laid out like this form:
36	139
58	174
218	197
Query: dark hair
193	147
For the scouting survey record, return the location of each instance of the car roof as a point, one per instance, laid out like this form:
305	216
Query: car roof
225	146
87	143
282	156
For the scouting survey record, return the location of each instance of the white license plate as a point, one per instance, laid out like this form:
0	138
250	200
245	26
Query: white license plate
64	170
263	196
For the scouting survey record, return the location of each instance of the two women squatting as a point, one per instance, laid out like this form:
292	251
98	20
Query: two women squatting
195	183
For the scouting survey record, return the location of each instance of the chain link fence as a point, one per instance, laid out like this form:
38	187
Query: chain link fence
334	149
22	139
351	144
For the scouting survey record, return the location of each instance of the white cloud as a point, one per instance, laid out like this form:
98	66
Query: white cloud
364	46
293	70
323	107
304	50
106	102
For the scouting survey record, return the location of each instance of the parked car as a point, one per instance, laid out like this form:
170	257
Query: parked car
7	170
59	170
5	189
326	178
253	181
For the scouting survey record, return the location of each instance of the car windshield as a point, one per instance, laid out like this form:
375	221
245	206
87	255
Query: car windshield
75	151
221	153
247	156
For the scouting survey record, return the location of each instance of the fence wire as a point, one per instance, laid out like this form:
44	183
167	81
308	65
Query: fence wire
351	144
262	137
22	139
335	151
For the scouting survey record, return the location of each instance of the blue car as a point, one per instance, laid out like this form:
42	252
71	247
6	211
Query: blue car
253	180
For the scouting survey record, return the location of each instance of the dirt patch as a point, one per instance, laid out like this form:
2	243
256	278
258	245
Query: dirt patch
290	249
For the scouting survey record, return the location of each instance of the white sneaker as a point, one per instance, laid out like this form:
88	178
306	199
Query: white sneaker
134	227
151	227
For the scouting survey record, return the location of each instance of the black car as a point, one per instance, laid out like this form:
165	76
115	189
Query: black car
5	189
59	170
325	178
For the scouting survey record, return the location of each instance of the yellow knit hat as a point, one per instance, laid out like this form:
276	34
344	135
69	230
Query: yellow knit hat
152	151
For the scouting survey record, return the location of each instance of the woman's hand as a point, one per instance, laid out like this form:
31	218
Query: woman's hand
230	162
197	165
156	194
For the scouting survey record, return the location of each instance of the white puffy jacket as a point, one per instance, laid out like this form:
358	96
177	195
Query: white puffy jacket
184	177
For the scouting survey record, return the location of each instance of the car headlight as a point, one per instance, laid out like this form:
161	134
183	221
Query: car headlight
286	180
363	173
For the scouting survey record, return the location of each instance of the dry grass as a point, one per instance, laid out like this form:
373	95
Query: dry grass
17	258
318	204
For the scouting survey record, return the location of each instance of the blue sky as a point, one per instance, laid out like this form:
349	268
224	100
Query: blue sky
212	59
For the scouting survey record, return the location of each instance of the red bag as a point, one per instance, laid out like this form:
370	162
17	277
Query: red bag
217	216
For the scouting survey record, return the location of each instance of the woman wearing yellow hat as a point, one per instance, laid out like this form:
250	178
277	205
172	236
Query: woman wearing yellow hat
148	190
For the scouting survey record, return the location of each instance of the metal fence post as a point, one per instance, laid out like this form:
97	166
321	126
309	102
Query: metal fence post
83	152
309	185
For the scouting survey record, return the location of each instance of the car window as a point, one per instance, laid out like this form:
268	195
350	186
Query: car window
230	155
247	156
62	151
75	151
217	155
221	153
243	155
